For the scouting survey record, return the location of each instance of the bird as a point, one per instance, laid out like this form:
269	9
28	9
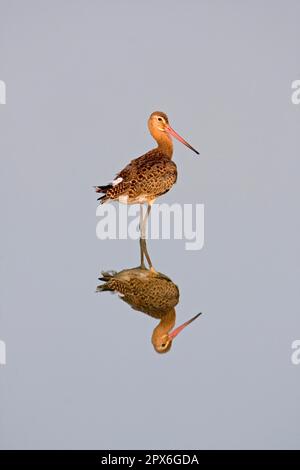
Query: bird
147	177
152	293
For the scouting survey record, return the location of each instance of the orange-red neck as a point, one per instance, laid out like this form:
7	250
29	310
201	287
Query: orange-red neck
165	325
165	144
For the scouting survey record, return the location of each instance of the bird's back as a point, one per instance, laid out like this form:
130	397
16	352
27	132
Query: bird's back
151	293
143	179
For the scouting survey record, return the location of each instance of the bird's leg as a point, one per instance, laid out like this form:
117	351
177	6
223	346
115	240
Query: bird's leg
144	223
142	265
143	238
145	251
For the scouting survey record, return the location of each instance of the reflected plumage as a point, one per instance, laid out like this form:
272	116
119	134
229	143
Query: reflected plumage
152	293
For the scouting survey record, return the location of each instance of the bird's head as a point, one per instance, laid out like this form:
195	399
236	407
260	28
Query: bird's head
162	342
159	128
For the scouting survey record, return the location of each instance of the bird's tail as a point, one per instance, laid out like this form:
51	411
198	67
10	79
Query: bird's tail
107	277
103	288
103	189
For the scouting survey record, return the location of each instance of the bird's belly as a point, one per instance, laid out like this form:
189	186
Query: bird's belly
142	199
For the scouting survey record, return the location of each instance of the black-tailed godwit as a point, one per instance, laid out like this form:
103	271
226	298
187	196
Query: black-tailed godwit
153	174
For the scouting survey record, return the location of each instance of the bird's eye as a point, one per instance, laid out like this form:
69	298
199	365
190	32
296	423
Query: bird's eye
160	119
163	345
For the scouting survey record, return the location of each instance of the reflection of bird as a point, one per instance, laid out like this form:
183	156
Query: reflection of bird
152	293
149	176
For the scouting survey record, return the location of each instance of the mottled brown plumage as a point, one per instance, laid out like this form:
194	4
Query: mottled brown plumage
151	175
143	179
145	290
149	292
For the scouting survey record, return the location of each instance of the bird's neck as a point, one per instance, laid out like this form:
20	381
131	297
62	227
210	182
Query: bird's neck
165	144
165	325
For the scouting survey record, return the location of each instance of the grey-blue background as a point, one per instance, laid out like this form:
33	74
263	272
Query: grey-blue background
82	78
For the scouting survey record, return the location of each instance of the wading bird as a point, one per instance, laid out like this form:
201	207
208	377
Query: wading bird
152	293
146	178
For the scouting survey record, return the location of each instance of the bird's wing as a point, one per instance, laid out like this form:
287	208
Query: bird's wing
152	173
138	163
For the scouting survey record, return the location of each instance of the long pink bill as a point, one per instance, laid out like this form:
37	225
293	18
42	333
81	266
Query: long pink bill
177	330
178	137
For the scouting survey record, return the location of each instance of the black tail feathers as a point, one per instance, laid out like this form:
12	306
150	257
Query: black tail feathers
103	189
